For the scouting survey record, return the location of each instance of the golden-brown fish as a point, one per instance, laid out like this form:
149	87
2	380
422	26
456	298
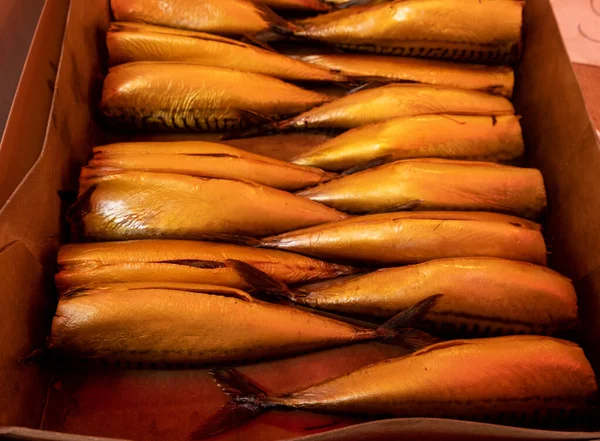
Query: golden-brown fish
129	42
306	5
411	237
141	205
504	379
496	139
482	296
436	184
396	100
82	265
191	97
197	326
493	79
474	30
215	16
197	158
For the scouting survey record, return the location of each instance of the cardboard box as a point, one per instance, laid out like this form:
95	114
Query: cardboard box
169	404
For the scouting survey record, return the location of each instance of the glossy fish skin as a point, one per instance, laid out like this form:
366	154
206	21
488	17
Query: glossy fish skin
225	291
498	80
396	100
161	325
393	239
436	184
461	379
483	295
141	205
215	16
197	158
481	138
189	97
467	30
182	261
130	42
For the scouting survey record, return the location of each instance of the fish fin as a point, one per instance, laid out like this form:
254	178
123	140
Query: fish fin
251	39
367	165
235	384
408	317
415	339
261	281
248	402
283	31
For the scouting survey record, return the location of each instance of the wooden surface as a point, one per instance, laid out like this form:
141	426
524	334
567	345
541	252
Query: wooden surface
589	80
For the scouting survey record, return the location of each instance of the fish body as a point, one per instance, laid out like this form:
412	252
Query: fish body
396	100
498	80
131	42
141	205
461	379
181	261
232	17
191	97
402	238
481	296
511	380
482	138
197	158
436	184
468	30
201	325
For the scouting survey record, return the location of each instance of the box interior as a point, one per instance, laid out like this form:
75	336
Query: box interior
169	404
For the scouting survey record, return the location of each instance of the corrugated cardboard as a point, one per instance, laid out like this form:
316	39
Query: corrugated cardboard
169	404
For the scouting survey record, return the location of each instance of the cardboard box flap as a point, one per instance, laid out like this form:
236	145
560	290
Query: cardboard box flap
26	127
409	429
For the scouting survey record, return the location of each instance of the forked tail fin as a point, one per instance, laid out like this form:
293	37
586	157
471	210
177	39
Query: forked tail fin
247	402
401	327
260	281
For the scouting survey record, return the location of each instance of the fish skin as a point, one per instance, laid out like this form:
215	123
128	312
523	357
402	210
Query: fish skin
397	100
190	97
462	379
467	30
485	294
436	184
153	325
498	80
393	239
197	158
173	261
225	291
142	205
229	17
131	42
481	138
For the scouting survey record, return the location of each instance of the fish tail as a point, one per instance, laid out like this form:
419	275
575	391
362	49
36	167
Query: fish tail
247	402
400	328
260	281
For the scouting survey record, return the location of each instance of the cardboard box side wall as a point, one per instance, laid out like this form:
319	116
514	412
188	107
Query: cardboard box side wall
25	129
131	404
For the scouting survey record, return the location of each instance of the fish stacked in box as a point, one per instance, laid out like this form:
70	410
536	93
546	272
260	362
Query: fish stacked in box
414	222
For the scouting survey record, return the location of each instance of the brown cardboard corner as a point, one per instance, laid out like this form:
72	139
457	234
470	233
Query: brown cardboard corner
22	387
26	127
